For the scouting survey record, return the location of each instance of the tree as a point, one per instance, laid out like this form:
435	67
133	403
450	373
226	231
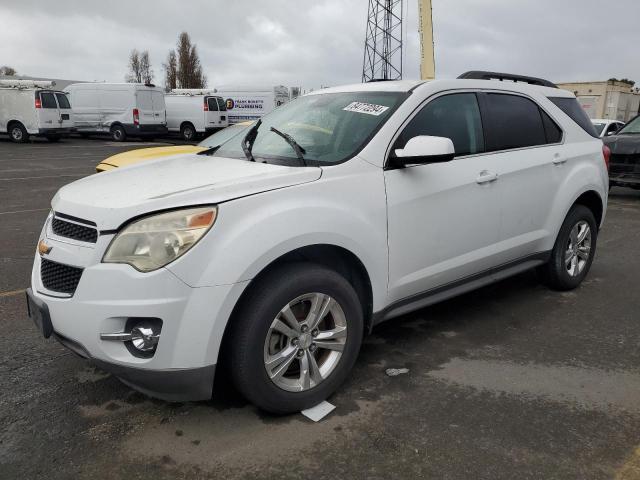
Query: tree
6	70
189	69
146	72
140	70
135	74
171	72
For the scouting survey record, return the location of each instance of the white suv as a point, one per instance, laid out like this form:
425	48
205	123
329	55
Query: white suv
272	255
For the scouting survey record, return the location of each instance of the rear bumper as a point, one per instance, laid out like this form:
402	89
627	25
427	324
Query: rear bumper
145	130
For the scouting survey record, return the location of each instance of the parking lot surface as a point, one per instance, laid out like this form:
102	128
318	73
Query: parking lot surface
511	381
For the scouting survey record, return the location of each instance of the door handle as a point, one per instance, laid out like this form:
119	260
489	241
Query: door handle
558	160
486	177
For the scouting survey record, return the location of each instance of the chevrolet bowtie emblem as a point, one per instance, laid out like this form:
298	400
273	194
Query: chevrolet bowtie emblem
43	248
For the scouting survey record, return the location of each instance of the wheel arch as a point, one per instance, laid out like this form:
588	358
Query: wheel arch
335	257
592	200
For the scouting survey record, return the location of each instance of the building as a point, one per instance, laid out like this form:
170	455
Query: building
609	99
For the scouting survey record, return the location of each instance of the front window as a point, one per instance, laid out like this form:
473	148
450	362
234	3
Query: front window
330	127
632	127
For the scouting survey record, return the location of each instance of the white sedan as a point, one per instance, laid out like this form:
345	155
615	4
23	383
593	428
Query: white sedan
606	126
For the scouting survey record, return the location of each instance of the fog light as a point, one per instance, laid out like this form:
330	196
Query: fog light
144	338
141	336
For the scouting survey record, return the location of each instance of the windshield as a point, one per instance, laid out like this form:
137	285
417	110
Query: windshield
330	127
223	135
599	127
632	127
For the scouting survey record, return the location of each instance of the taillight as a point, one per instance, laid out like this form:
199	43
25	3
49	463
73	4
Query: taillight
136	116
38	102
606	152
206	105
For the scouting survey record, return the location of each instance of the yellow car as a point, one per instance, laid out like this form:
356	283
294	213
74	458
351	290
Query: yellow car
145	154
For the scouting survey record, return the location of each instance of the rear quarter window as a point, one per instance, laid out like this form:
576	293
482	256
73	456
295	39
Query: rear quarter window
572	108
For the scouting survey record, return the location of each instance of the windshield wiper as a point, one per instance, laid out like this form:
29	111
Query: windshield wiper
296	147
249	138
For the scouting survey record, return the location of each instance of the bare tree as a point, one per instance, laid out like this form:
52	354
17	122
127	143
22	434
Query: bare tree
171	72
146	72
135	73
6	70
189	74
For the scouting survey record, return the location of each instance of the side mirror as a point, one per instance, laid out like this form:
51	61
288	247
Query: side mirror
425	149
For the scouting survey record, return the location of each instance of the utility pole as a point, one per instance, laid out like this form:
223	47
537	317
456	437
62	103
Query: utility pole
383	42
427	58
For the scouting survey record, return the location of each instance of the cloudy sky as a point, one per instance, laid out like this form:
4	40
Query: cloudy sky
318	42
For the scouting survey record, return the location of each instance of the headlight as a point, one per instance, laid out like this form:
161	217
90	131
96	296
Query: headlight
153	242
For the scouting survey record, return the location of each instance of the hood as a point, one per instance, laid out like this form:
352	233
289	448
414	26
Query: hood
143	154
111	198
628	144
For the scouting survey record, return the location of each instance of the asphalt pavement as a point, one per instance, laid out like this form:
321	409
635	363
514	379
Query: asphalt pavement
511	381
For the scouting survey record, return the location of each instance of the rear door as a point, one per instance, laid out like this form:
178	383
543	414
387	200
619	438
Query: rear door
64	107
212	113
527	145
222	105
144	102
48	113
159	108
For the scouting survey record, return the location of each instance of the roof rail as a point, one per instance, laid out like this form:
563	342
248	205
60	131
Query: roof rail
480	75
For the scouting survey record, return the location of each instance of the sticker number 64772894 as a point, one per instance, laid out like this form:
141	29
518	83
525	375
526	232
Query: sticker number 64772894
367	108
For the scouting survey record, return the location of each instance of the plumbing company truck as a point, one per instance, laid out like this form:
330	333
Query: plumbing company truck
251	103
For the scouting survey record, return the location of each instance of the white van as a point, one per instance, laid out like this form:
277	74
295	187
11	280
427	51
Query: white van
193	113
31	108
251	103
120	109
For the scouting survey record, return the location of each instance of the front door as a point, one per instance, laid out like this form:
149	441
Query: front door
443	218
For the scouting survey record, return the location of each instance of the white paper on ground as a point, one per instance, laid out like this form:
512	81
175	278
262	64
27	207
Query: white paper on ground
318	412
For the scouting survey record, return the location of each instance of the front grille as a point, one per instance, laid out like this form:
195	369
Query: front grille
58	277
73	230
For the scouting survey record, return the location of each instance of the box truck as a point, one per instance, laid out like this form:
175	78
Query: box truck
195	113
120	109
33	108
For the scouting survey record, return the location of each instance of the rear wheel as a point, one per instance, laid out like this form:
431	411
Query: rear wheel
295	337
118	134
17	133
188	132
573	251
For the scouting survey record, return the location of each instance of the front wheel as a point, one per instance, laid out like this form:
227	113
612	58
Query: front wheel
573	251
295	337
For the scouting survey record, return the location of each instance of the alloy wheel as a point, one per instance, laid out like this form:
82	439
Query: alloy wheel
305	342
578	248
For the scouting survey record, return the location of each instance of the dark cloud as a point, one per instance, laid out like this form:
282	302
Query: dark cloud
318	42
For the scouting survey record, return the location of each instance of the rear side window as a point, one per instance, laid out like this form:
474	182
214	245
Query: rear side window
63	101
551	129
222	104
213	104
512	122
572	108
48	100
455	116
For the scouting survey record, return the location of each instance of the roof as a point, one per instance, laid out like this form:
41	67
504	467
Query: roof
409	85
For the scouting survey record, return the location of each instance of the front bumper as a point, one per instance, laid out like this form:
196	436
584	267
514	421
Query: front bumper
108	295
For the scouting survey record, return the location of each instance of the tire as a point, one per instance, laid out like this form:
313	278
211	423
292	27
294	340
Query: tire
253	340
118	134
18	134
561	273
188	132
53	138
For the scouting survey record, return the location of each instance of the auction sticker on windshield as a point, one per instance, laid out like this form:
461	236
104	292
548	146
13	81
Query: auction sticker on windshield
368	108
